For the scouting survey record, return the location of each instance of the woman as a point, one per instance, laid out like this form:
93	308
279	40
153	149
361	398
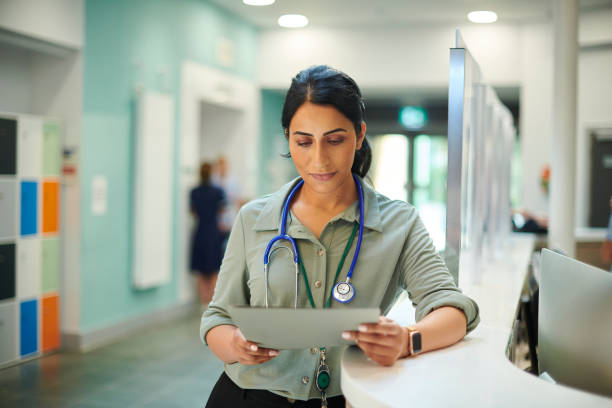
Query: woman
323	122
206	201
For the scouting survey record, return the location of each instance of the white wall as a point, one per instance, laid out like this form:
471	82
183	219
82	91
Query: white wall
417	57
14	77
55	21
390	58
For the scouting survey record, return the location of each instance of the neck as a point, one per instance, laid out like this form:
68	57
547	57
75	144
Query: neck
332	202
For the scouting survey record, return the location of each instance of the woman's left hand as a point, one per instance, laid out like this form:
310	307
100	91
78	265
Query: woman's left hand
383	342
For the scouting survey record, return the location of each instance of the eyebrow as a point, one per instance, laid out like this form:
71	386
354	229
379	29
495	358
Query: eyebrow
324	134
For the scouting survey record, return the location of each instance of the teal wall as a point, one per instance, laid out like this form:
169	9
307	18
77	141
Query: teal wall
128	43
273	170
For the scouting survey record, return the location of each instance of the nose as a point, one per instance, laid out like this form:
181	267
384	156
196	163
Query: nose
321	157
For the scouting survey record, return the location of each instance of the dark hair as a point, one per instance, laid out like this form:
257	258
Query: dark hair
323	85
205	172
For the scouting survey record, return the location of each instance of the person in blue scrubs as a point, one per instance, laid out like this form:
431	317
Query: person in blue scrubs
206	202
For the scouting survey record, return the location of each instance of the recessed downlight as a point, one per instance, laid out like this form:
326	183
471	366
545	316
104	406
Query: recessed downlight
258	2
482	17
292	21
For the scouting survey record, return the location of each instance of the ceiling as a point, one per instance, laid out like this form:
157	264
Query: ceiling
397	13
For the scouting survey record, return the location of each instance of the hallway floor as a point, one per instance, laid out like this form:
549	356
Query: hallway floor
165	366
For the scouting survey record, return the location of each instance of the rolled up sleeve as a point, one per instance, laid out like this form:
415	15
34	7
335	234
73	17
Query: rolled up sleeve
427	279
231	288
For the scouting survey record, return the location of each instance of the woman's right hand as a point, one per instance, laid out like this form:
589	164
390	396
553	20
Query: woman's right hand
249	353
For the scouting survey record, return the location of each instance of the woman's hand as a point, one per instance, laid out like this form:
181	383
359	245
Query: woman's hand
383	342
249	353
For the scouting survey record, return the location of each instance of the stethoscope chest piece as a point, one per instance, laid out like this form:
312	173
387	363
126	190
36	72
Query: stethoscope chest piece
344	292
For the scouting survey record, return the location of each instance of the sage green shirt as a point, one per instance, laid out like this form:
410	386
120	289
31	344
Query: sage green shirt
396	254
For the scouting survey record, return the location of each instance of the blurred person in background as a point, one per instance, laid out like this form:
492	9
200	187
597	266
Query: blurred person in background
222	178
206	202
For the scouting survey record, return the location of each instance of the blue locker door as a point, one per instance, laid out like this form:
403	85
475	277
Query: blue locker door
29	207
28	339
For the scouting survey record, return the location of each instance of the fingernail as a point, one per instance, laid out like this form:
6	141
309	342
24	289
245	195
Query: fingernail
274	353
363	328
346	335
253	347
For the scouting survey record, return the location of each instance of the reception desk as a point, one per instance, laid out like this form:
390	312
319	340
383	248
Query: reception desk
474	372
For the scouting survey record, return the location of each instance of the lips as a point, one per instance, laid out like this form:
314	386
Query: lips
322	176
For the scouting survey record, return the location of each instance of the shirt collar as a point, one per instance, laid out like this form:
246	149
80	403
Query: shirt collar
270	216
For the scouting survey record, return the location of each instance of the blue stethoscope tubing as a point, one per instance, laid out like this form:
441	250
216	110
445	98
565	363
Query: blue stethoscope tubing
343	292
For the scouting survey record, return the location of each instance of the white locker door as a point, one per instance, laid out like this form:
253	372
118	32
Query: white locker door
29	268
29	146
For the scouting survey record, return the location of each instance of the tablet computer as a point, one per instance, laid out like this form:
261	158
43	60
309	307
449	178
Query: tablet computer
288	328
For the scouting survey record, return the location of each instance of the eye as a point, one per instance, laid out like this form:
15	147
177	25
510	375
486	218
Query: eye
303	143
335	141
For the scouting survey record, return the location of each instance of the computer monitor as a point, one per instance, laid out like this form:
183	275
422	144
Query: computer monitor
575	323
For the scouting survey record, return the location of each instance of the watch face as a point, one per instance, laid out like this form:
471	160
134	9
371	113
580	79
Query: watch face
415	339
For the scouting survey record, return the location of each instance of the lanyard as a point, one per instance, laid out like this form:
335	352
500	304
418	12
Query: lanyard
323	377
340	265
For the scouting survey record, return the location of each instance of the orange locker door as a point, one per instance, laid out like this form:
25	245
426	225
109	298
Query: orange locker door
50	323
50	206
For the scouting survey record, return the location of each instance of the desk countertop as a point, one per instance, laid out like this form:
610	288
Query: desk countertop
473	372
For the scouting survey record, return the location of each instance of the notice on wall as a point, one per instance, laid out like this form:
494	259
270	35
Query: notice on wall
99	189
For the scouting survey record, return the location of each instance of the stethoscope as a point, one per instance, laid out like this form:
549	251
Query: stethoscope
343	292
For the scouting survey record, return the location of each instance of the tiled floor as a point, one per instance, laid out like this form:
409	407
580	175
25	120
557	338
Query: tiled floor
166	366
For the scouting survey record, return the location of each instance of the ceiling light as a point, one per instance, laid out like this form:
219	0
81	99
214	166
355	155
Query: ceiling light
482	16
292	21
258	2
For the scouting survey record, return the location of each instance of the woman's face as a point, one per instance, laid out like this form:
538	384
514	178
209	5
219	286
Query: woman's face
322	143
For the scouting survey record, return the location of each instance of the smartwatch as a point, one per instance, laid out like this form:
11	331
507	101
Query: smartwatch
416	345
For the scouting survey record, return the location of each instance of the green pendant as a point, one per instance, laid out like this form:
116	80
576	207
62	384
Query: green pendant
323	380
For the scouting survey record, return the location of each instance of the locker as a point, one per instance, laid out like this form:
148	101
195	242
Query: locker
50	207
29	207
29	149
8	209
52	153
50	323
7	271
8	146
8	330
29	269
50	264
28	327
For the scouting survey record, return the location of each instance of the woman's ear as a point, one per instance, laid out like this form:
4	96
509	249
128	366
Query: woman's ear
361	135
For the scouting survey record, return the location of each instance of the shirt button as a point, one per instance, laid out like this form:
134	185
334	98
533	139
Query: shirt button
318	284
320	252
305	379
313	350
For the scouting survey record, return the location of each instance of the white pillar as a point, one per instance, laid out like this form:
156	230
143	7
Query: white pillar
563	169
